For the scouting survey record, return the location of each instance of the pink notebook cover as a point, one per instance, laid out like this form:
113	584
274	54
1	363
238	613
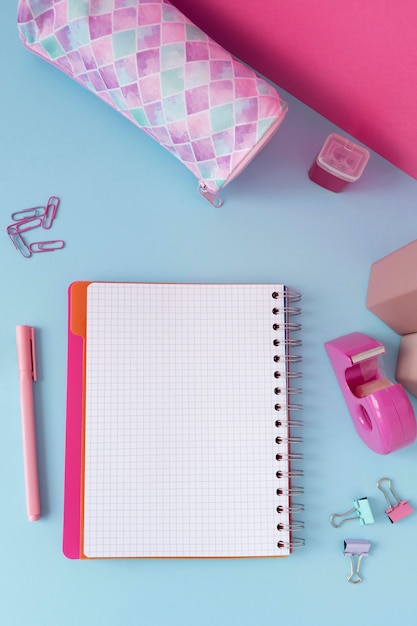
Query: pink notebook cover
72	534
353	62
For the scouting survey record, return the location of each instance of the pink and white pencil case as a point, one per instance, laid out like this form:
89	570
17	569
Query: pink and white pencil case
154	66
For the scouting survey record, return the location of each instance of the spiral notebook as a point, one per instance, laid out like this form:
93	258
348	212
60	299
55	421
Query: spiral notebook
179	441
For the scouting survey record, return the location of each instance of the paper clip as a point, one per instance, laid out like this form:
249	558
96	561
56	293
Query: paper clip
363	513
356	549
395	512
50	212
27	214
46	246
25	225
18	241
29	219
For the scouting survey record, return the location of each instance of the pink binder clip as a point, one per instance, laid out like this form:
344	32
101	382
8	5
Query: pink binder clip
381	410
395	512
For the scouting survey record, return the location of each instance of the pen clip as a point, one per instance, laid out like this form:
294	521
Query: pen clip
33	354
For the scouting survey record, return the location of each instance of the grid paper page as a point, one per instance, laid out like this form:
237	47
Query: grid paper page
180	435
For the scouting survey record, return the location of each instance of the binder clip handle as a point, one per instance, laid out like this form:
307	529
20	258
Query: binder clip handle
391	489
363	514
338	524
354	576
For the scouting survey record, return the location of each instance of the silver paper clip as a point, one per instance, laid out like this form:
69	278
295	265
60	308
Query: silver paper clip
363	511
394	512
356	549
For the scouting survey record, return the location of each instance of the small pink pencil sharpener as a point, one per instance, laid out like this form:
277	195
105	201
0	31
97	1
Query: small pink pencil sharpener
339	163
381	410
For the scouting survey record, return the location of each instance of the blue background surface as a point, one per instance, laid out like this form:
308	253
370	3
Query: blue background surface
130	212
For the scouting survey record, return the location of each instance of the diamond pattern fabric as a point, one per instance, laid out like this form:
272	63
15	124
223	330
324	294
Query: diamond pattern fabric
148	61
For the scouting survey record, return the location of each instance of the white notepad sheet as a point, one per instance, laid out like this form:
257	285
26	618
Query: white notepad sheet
180	435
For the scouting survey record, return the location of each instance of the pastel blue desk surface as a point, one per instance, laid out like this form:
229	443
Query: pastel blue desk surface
130	212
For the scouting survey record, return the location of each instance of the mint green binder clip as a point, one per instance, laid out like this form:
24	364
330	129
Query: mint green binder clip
363	511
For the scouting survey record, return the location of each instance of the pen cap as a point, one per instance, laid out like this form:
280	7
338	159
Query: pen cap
342	158
25	339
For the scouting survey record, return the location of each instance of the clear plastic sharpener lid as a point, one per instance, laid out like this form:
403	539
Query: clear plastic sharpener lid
342	158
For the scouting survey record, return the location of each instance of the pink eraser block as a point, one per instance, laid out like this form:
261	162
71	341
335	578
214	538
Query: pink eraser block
406	372
392	289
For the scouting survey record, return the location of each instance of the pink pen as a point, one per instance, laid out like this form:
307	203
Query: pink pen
25	337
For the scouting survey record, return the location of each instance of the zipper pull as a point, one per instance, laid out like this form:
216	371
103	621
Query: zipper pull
214	199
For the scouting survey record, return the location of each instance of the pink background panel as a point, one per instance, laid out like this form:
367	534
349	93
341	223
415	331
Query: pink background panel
355	63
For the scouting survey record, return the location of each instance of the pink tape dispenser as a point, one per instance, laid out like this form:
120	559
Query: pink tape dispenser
381	410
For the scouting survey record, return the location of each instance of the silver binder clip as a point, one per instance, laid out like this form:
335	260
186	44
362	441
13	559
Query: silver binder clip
363	511
356	549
